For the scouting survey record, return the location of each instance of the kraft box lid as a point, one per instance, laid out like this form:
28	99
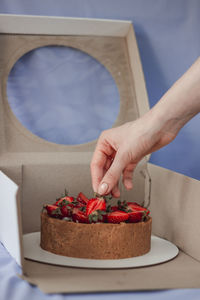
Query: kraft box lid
26	159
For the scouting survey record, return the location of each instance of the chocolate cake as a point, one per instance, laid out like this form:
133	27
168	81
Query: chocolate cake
95	240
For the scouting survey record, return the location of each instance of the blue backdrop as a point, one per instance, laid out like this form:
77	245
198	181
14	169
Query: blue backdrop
169	42
63	95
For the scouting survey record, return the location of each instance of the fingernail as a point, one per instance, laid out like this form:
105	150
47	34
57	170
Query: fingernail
103	188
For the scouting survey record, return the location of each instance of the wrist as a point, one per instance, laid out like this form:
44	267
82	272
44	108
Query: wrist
169	117
181	102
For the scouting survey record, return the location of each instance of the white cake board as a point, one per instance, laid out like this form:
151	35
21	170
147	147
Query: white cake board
161	251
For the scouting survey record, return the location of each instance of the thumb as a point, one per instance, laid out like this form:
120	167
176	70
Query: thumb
113	174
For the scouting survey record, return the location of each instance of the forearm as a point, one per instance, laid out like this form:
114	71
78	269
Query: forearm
181	102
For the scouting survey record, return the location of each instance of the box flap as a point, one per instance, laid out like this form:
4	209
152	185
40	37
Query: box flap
117	52
175	209
10	220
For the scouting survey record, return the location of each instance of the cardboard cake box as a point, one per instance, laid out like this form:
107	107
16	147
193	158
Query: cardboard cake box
34	170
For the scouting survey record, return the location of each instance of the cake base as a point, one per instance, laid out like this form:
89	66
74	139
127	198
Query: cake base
96	240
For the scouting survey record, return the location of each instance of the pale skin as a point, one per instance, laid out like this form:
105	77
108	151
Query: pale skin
119	149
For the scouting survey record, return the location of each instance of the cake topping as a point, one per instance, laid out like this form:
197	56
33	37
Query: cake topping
97	209
53	210
65	199
136	212
79	216
95	204
82	198
117	216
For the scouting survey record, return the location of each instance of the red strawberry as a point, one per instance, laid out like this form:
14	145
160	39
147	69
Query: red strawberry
136	212
65	204
79	216
117	216
114	208
135	216
82	198
134	205
64	200
79	205
97	216
95	204
66	210
53	211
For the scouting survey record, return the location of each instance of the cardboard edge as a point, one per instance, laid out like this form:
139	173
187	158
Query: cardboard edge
32	24
137	73
25	277
151	165
18	199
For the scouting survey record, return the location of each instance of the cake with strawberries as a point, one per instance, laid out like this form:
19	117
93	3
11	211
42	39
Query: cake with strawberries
91	228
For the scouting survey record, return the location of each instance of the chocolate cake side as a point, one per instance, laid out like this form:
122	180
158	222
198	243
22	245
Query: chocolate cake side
96	240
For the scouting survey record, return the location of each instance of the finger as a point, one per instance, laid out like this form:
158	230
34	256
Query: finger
101	161
97	165
108	163
115	191
128	176
113	174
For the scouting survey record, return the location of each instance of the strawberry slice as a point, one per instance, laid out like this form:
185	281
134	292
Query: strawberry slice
53	211
82	198
95	204
117	216
79	216
135	216
64	200
134	205
136	212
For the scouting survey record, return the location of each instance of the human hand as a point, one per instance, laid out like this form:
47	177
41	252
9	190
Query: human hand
119	150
